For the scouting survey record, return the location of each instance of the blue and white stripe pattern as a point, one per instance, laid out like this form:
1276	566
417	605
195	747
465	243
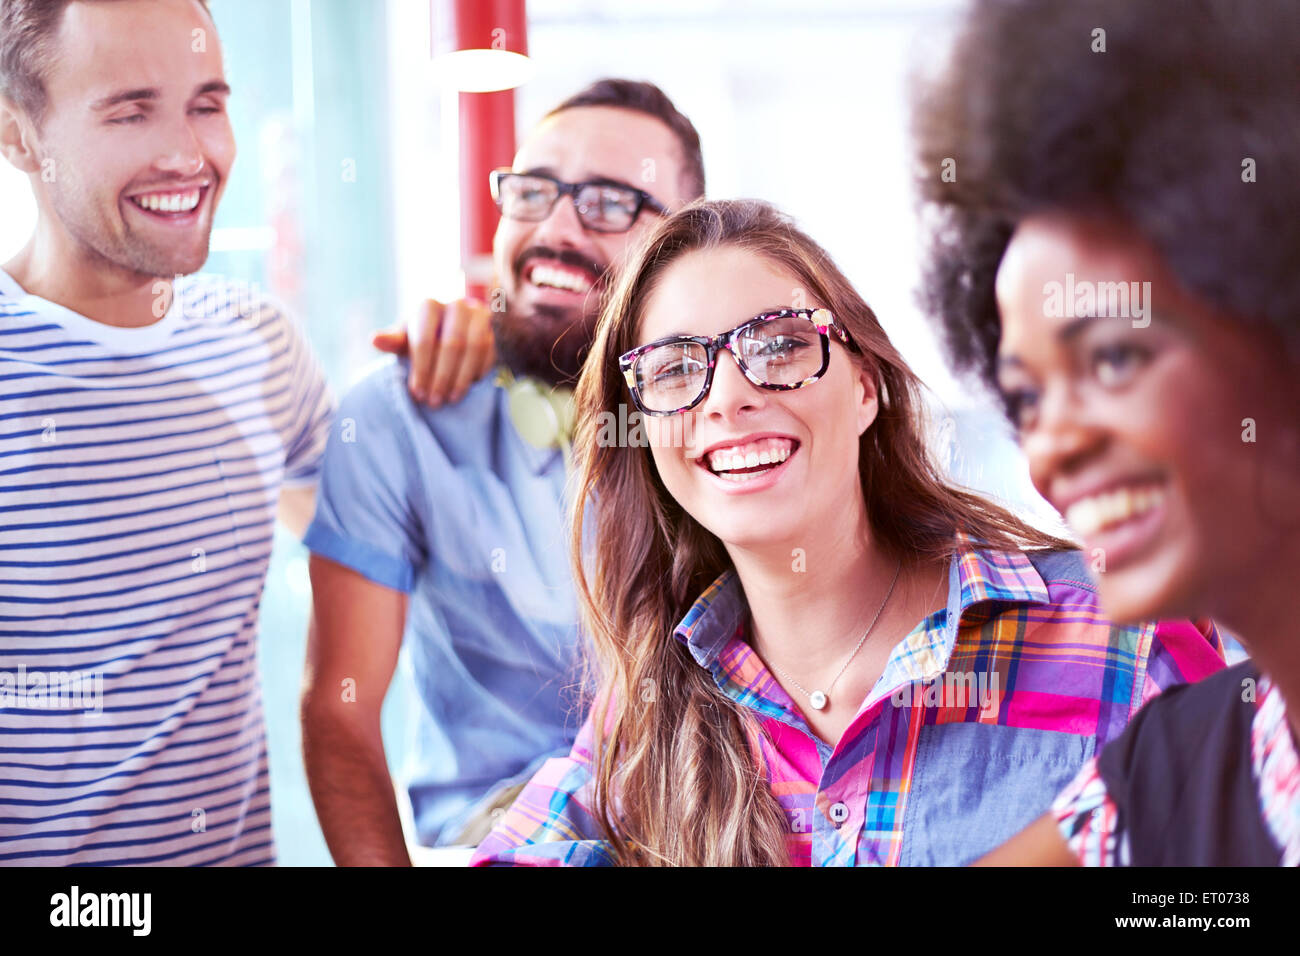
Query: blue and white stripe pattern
139	475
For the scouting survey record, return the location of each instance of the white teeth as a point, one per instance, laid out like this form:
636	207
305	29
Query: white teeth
169	202
767	451
559	279
1096	512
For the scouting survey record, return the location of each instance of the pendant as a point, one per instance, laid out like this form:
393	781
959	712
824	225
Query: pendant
818	700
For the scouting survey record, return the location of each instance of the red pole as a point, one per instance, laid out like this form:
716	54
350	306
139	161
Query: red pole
487	121
487	141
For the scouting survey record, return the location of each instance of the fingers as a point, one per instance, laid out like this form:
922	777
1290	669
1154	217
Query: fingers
480	350
464	345
390	340
450	347
489	358
481	353
422	337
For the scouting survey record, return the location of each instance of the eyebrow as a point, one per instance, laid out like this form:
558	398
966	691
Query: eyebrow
687	335
148	94
1066	334
1073	329
594	180
220	87
125	96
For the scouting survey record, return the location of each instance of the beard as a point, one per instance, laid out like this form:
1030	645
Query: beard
128	251
550	344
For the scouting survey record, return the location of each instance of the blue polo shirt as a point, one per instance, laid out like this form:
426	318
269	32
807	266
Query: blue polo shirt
453	508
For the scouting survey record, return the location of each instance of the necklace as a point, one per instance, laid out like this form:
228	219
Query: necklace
819	699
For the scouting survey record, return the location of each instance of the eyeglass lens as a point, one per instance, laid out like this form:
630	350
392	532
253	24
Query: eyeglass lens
531	199
778	351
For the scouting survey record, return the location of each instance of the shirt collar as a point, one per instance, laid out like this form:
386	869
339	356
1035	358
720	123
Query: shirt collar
978	582
985	577
976	578
9	287
713	619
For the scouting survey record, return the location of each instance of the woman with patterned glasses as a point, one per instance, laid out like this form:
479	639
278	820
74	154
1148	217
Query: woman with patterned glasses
810	648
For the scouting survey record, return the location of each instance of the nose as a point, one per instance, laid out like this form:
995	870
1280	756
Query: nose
562	227
731	395
181	153
1061	439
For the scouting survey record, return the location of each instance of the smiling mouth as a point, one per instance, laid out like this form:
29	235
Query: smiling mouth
1111	509
551	275
740	463
169	204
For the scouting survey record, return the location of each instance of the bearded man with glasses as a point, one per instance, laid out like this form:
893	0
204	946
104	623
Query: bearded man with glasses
439	532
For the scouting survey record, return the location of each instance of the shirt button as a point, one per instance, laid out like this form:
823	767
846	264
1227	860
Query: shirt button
839	813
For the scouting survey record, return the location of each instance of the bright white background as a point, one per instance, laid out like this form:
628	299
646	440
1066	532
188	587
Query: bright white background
17	211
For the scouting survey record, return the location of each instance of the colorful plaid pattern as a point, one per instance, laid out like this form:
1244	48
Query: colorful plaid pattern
981	716
1086	815
1087	819
1277	771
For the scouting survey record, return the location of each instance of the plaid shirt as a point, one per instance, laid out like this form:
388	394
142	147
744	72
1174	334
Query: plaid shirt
983	713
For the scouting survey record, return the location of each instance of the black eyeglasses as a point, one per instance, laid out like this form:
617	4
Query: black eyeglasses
781	350
602	207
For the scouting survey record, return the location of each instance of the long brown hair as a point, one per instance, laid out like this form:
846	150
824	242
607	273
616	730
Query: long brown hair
678	771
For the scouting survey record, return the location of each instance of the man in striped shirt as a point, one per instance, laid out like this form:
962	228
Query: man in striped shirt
149	429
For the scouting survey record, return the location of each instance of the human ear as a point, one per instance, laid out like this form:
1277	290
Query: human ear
17	137
866	394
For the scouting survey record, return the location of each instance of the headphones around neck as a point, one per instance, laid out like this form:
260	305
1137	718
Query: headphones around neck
541	413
